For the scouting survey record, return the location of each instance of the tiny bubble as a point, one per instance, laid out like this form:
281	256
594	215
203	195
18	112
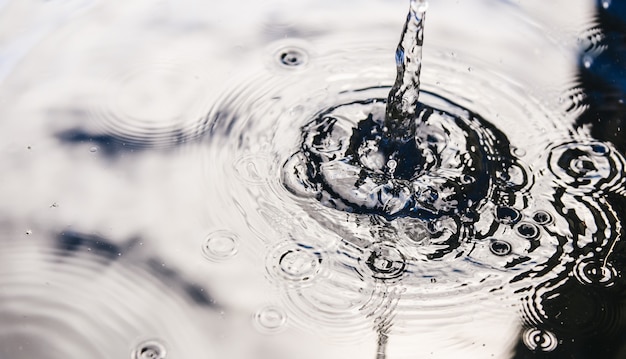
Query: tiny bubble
93	149
150	350
469	69
29	232
606	3
54	205
500	248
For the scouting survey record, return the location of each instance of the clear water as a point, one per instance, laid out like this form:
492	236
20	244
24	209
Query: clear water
190	179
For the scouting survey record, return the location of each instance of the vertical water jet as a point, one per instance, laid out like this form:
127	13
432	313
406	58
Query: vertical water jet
403	97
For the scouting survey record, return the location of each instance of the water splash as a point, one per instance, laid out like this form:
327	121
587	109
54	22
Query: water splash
403	98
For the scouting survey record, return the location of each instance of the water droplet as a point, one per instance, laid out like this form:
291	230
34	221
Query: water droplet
539	340
150	349
499	247
93	149
542	217
528	230
220	245
385	261
587	61
270	319
606	4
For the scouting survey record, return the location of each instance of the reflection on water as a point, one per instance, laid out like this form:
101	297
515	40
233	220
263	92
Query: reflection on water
193	180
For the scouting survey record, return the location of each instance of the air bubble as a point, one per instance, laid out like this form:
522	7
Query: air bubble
220	245
593	272
292	57
93	149
499	247
150	349
528	230
508	215
606	4
542	217
539	340
270	319
385	261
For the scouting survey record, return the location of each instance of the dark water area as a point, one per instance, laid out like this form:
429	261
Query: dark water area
590	321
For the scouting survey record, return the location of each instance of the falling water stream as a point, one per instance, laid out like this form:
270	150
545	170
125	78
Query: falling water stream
181	186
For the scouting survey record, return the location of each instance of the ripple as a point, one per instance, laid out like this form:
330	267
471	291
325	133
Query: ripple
460	220
152	105
587	167
589	271
290	54
87	304
270	320
540	340
385	261
220	245
342	308
294	264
